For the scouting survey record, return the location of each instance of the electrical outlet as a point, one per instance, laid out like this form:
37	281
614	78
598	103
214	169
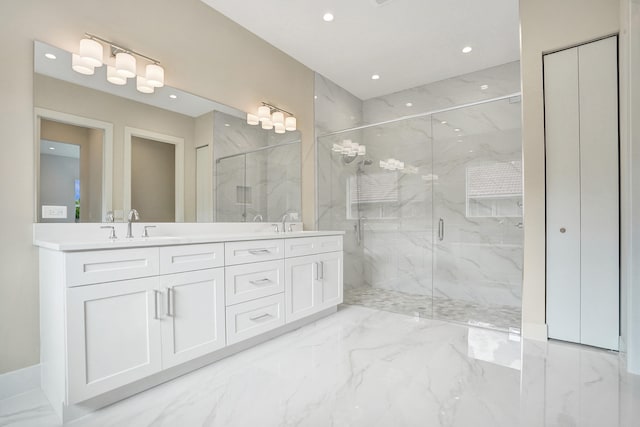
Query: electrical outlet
54	212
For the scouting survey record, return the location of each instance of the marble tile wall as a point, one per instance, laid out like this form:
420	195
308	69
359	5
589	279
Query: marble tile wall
480	261
500	80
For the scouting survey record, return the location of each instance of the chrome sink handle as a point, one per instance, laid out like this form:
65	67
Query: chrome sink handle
145	233
112	233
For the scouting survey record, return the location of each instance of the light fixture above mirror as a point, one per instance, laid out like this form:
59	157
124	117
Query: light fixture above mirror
273	117
91	55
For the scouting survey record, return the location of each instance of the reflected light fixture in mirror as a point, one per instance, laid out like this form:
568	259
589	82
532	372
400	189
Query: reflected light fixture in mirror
91	54
114	77
79	65
273	117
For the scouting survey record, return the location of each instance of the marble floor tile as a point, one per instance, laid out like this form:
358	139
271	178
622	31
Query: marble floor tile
503	317
365	367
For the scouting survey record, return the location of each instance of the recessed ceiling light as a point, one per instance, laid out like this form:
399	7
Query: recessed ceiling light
315	96
375	77
467	49
456	130
49	56
51	148
484	87
172	96
444	122
409	104
328	17
227	124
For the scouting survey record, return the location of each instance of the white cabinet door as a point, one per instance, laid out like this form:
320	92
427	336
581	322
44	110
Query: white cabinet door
312	283
192	315
113	336
331	278
302	290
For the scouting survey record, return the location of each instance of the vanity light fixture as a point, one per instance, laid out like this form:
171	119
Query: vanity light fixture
328	17
375	77
272	117
91	55
409	104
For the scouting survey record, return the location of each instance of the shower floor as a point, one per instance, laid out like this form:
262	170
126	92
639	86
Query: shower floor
501	317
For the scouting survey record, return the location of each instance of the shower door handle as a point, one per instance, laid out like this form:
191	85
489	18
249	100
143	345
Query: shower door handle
441	229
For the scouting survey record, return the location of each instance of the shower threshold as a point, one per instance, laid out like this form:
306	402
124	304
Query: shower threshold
502	318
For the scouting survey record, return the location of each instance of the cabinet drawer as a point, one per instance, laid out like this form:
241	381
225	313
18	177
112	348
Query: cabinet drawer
253	251
250	281
176	259
252	318
84	268
312	245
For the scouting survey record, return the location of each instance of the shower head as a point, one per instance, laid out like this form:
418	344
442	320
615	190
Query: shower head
363	163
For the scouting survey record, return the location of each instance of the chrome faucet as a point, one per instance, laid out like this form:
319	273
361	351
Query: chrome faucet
133	216
286	217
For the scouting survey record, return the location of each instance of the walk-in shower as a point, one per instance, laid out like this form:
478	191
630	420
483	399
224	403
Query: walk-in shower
432	212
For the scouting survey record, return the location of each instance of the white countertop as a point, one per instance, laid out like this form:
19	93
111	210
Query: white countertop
137	242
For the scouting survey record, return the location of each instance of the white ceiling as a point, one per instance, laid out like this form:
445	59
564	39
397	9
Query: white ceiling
407	42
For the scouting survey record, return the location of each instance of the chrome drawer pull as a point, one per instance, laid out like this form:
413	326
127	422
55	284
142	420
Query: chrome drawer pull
262	316
259	251
260	282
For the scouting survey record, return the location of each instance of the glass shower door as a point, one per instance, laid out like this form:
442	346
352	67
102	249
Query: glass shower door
382	200
477	213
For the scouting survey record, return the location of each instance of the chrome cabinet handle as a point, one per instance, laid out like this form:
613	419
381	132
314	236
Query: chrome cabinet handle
170	298
441	229
317	271
260	282
321	270
155	304
259	251
260	317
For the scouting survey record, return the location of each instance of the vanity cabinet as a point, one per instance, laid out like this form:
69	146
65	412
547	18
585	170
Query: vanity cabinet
192	315
113	336
312	283
117	320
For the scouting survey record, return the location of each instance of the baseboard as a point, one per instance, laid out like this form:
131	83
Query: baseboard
535	331
19	381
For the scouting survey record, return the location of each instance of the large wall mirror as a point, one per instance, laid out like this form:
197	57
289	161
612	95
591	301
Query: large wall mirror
102	150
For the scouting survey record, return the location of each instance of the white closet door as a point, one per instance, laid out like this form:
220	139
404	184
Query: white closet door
598	83
563	194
